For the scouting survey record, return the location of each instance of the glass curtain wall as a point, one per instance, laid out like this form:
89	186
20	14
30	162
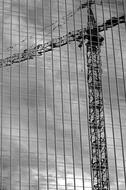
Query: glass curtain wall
44	135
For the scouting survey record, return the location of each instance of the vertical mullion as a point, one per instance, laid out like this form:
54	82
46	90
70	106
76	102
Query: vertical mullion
28	109
62	99
78	99
121	132
10	95
19	108
53	85
70	96
85	77
1	140
120	48
110	99
117	90
46	126
124	11
95	14
36	78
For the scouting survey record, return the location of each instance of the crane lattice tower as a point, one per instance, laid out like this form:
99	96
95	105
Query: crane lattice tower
96	117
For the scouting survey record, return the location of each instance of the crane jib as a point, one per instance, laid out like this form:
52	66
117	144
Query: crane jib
80	35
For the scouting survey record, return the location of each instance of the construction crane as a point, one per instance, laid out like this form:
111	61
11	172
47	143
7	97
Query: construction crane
96	117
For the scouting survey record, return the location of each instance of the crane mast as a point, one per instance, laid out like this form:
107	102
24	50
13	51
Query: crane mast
96	118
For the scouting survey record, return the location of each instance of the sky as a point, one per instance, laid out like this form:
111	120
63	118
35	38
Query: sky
46	96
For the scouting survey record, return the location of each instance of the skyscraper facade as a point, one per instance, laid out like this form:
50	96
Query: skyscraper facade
45	94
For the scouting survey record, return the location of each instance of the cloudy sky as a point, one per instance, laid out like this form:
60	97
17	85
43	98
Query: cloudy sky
43	101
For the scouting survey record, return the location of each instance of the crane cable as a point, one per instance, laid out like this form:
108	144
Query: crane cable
55	24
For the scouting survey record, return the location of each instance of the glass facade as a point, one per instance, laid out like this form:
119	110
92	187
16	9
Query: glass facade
44	135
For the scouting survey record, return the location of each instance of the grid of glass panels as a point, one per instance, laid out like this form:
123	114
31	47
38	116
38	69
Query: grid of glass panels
44	142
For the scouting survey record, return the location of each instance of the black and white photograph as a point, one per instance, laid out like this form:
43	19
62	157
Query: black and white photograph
62	94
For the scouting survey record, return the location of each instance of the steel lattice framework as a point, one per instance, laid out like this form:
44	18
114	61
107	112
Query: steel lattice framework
96	121
96	118
78	35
